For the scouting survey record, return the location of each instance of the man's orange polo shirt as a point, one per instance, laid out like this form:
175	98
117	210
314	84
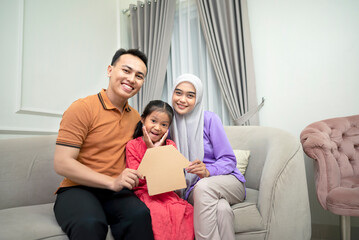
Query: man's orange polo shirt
100	131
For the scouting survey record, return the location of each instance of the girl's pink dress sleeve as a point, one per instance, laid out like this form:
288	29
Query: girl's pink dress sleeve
170	142
134	157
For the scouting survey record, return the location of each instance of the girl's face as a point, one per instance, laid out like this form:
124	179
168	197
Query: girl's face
156	124
184	98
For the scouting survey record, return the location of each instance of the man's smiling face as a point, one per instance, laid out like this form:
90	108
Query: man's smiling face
127	76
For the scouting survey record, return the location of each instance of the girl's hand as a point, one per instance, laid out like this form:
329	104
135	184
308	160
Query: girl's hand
162	141
199	168
148	140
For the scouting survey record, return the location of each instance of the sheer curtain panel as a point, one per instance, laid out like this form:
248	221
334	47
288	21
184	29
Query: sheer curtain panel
151	31
189	54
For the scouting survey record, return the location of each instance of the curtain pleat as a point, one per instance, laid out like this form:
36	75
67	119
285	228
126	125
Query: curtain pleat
226	29
151	31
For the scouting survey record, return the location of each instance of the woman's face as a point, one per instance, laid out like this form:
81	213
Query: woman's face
184	98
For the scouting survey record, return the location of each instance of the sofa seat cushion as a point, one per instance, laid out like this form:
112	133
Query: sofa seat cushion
30	222
344	200
247	217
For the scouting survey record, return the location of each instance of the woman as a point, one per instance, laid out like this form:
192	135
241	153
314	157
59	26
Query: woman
213	181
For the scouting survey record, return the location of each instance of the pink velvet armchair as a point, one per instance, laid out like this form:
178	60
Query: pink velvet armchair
334	145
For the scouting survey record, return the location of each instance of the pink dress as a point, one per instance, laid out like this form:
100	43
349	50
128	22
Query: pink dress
172	217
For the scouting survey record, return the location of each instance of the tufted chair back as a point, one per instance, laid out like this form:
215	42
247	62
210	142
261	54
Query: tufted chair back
334	145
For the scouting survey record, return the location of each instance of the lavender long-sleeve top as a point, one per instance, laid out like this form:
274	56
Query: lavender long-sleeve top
218	153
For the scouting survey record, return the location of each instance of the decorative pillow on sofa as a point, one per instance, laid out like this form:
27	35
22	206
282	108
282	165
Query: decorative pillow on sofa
242	157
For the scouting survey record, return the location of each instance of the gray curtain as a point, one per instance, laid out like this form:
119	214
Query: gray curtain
226	29
151	30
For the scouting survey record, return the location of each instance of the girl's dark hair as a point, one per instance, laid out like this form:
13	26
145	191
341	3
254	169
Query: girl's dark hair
155	105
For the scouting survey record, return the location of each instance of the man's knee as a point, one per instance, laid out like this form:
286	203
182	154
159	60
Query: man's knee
137	225
141	214
88	228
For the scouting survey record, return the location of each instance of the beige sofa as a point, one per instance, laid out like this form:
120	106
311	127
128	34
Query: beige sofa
27	185
276	206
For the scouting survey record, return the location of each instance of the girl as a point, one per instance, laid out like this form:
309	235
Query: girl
172	217
213	181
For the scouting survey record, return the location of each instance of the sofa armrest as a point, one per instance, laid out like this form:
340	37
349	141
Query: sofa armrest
276	169
317	144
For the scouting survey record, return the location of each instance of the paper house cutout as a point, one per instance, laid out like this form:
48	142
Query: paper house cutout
163	168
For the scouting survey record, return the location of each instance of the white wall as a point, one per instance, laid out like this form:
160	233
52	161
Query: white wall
52	53
306	58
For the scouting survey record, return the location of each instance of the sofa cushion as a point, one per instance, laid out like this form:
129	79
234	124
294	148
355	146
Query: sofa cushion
30	222
345	198
242	157
246	215
27	175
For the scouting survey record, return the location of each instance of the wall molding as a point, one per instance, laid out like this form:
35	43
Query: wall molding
24	131
39	112
20	47
20	109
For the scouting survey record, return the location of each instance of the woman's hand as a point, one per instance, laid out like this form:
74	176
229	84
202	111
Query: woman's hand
148	140
199	168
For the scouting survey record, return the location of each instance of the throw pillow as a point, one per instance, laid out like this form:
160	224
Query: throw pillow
242	157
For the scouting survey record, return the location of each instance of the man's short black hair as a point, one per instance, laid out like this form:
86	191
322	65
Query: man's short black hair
134	52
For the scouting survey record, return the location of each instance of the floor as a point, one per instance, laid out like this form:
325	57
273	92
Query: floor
327	232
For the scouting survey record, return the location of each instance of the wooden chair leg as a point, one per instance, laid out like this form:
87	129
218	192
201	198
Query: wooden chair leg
345	227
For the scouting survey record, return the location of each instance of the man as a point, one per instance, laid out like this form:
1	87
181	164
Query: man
90	154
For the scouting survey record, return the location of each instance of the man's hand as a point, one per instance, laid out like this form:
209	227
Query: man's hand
127	179
148	140
199	168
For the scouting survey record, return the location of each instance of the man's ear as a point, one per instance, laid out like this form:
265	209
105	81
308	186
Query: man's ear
109	70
